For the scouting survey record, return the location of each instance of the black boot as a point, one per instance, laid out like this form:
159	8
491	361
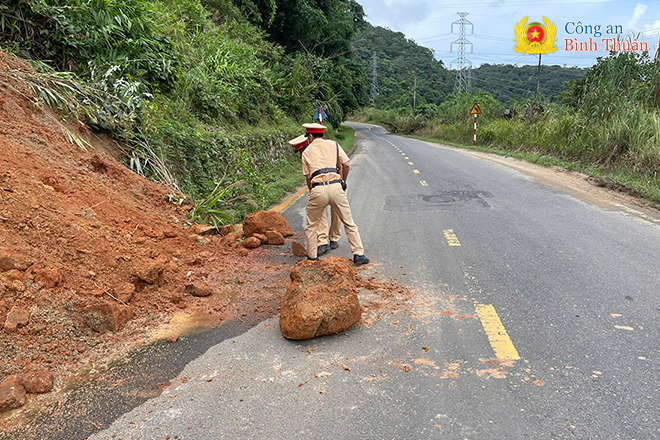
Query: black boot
360	259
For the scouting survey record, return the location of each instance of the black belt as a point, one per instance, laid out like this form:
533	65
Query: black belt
325	183
324	171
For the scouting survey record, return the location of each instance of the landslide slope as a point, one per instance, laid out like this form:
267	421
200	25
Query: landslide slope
78	229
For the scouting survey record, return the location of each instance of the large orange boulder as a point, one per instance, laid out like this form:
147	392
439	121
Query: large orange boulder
321	299
260	222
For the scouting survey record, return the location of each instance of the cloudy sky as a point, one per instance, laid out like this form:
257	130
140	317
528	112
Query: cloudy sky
429	23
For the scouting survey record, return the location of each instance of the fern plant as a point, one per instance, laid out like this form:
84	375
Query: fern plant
210	209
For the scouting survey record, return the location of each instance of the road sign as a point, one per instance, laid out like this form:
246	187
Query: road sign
320	114
475	110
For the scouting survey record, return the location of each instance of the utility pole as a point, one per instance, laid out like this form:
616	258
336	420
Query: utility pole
463	65
415	94
374	80
538	76
657	86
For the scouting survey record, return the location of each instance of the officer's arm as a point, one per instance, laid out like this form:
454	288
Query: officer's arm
343	172
309	182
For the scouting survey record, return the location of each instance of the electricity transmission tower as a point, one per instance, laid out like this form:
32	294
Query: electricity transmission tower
463	65
374	81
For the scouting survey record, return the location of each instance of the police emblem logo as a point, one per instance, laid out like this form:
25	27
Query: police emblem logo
535	37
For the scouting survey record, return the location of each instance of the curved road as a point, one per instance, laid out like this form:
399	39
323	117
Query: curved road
534	315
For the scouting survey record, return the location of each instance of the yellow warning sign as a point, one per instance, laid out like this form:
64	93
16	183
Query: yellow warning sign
475	109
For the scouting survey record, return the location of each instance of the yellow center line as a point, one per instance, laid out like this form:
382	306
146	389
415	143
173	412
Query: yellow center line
452	240
410	163
497	335
406	157
423	182
415	171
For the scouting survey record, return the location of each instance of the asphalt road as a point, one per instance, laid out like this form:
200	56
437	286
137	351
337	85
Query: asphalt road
534	315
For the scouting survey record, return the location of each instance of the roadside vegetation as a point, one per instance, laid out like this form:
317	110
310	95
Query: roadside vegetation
203	94
606	124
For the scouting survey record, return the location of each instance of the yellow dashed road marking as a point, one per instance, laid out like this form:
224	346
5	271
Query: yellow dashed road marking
410	163
415	171
452	240
406	157
497	335
423	182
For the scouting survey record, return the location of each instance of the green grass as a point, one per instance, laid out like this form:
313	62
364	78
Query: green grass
284	178
345	136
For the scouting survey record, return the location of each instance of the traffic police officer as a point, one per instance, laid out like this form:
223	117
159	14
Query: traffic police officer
300	144
325	165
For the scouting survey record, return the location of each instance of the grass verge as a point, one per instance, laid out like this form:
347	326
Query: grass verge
345	136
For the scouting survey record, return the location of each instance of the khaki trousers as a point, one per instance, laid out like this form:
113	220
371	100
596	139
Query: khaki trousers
335	227
319	198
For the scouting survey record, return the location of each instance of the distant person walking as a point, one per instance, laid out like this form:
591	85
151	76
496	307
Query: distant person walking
300	144
325	165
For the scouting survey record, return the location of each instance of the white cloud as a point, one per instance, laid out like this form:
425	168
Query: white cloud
396	13
651	30
638	12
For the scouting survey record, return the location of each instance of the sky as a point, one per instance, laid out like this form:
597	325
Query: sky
429	24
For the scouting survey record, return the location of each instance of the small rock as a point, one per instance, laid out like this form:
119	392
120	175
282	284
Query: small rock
17	317
14	275
274	237
152	271
170	233
227	229
176	298
171	266
15	286
158	235
230	239
12	394
298	249
107	317
48	277
173	337
198	289
251	243
124	292
12	260
261	221
203	230
37	380
262	237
